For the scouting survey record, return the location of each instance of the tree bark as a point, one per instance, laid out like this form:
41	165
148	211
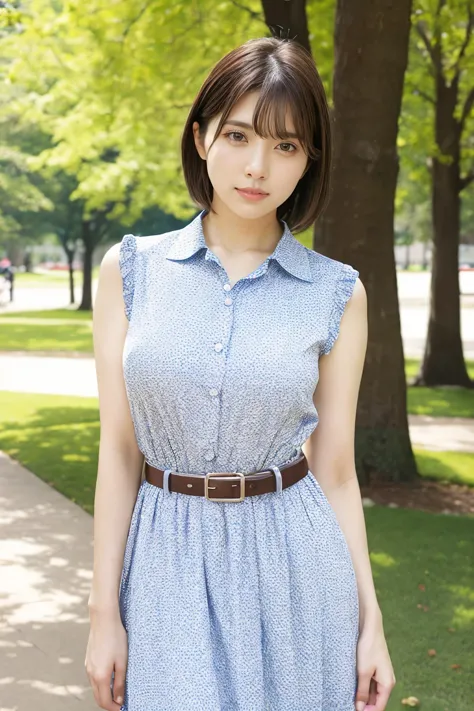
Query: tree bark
89	244
70	260
371	54
291	16
443	361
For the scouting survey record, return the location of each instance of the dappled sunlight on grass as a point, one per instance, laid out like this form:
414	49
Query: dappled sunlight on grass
454	467
382	559
56	437
440	402
71	313
31	337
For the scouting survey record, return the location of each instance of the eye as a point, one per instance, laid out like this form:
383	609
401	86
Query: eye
234	133
238	133
289	144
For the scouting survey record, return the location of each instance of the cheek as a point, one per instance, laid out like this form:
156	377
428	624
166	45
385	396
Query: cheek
295	169
219	160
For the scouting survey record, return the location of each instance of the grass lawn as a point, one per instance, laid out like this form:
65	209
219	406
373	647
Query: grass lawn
452	467
53	279
57	437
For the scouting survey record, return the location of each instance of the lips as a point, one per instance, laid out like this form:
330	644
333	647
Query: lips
252	191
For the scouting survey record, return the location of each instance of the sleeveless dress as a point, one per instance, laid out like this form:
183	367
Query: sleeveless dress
232	606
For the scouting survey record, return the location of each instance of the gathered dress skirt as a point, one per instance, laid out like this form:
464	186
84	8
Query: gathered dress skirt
247	606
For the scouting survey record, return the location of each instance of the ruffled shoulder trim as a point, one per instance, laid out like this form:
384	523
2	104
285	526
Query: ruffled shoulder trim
344	288
127	255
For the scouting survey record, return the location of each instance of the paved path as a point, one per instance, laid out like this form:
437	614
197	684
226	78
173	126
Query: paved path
45	577
21	372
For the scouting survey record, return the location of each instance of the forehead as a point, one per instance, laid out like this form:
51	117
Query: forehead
243	111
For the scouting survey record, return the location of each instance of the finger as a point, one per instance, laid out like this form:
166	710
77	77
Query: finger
383	692
372	692
105	695
362	690
119	683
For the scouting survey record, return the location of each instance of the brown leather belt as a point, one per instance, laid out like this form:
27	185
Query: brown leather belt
229	486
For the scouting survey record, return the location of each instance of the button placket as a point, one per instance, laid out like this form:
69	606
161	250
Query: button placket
209	450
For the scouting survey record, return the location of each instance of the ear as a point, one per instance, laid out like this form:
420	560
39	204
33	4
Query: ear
199	140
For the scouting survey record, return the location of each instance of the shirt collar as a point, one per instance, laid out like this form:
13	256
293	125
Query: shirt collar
289	252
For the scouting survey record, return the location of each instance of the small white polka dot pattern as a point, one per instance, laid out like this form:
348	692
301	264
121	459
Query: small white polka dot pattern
232	606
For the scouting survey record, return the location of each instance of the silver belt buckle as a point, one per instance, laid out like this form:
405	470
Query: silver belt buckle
224	475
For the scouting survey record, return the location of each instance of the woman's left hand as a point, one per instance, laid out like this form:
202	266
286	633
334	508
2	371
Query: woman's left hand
374	668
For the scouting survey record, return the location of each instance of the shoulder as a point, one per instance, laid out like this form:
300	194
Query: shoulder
333	271
144	244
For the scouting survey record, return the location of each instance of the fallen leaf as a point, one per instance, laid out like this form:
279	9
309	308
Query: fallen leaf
432	652
423	588
451	629
411	701
455	666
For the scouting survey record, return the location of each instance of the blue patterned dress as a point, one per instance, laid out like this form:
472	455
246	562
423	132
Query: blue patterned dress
232	606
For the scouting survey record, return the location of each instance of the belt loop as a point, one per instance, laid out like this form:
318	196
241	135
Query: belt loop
166	476
279	483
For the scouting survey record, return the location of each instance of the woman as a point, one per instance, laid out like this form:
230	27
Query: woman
251	591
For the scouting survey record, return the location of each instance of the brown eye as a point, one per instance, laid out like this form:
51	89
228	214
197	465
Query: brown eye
234	133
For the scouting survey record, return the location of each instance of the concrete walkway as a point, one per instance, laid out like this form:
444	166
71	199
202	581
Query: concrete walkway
45	577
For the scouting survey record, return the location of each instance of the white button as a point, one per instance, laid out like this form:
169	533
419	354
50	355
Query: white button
209	455
228	301
213	392
227	287
218	347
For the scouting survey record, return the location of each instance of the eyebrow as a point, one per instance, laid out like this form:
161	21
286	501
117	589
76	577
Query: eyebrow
247	125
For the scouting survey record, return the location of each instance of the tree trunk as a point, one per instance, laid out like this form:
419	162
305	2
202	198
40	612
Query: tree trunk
425	255
89	244
70	260
443	361
291	16
371	54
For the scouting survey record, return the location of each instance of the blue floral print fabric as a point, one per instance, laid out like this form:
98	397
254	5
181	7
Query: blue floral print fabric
232	606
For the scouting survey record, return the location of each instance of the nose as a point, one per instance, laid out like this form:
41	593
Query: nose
257	165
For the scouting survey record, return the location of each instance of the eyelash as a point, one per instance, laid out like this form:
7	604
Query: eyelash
285	143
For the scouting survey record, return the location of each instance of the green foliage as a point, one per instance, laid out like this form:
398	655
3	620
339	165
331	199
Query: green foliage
104	78
446	30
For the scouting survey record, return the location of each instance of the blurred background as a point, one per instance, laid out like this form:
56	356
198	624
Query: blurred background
94	98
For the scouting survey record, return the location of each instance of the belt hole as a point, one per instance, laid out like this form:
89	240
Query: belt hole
189	486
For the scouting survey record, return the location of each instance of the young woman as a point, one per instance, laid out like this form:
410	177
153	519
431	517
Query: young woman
234	575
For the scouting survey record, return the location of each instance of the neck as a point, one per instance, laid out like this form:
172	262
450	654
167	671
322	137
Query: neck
226	231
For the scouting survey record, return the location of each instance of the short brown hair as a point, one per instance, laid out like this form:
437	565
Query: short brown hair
285	74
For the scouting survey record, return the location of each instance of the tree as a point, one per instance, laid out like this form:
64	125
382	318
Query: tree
444	40
371	55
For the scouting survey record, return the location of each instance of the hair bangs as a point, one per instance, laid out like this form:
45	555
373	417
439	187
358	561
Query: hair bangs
275	100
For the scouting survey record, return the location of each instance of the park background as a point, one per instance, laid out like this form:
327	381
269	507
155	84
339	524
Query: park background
94	98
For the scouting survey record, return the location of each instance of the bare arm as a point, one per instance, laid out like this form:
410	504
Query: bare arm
120	460
330	448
